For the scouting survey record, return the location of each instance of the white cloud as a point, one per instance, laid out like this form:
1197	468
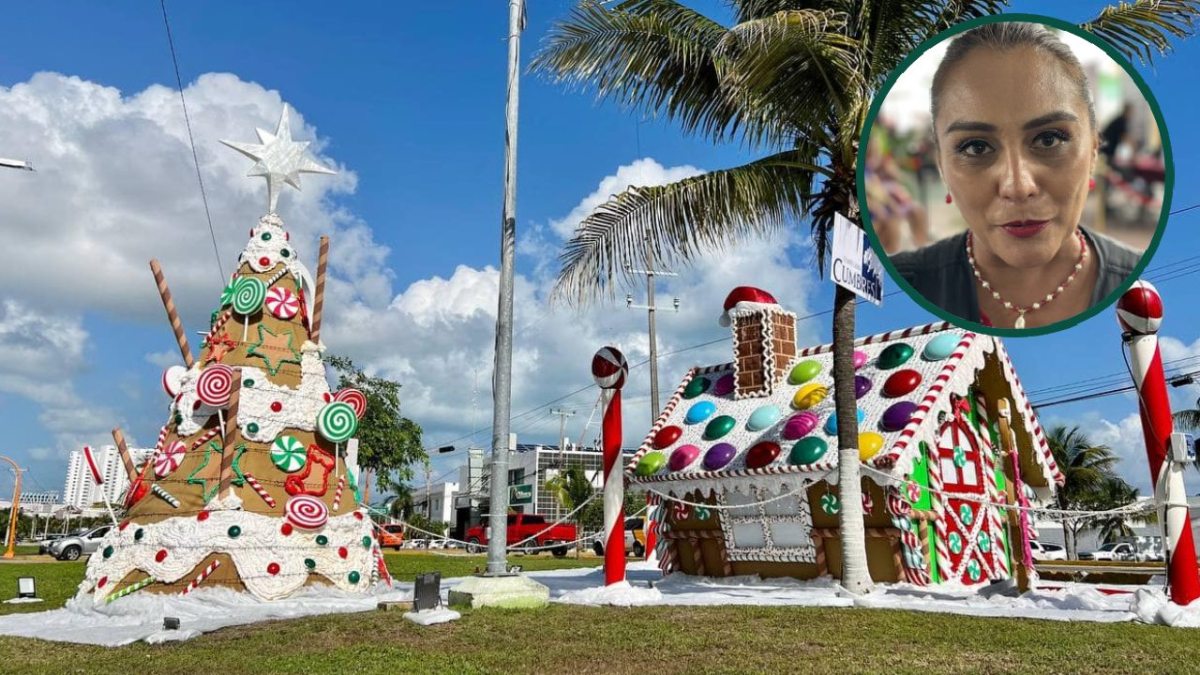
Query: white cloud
644	172
115	187
436	335
1125	439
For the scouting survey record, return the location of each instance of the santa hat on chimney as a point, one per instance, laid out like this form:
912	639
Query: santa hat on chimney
746	299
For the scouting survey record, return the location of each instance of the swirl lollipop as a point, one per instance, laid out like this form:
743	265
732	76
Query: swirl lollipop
282	303
355	398
169	459
248	295
337	422
214	385
306	512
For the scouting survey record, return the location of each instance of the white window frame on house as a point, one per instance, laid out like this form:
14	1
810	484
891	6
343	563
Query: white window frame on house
756	513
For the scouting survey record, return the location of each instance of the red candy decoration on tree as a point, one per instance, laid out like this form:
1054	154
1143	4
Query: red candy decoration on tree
286	529
273	569
342	552
202	516
276	406
102	583
161	555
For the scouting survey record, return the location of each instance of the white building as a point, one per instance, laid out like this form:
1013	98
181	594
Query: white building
531	465
79	489
36	502
437	503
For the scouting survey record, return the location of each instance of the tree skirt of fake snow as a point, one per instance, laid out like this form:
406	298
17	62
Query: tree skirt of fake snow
620	594
1153	606
140	616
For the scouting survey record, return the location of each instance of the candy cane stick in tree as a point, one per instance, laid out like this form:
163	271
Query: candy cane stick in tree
610	370
319	300
172	314
1140	312
231	432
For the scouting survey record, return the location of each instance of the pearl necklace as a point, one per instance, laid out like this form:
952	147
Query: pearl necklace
1021	311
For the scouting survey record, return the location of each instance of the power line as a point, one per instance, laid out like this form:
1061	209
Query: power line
191	140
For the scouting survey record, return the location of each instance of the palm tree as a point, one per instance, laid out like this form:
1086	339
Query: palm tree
1114	493
1087	471
794	78
570	488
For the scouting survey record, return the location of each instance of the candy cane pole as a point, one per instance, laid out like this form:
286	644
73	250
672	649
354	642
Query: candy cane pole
610	370
172	314
225	488
319	300
1140	312
651	526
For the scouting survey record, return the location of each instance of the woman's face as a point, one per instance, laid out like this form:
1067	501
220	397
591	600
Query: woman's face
1016	149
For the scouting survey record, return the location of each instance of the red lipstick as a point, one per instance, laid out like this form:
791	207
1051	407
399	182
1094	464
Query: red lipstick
1023	229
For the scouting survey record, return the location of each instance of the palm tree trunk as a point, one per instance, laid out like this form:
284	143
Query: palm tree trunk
856	578
1068	540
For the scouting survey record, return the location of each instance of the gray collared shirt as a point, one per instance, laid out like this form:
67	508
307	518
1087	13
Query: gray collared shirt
942	273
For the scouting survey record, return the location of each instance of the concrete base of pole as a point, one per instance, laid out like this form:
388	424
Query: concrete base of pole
513	591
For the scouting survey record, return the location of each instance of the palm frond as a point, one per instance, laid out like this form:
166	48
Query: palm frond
682	220
890	30
1139	29
795	65
656	56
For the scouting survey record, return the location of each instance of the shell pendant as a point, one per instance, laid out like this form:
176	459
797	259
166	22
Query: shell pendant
1020	321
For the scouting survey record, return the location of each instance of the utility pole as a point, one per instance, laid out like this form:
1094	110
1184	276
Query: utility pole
562	431
651	310
497	563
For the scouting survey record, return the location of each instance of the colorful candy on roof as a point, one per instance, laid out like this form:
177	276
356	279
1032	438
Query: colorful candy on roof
761	432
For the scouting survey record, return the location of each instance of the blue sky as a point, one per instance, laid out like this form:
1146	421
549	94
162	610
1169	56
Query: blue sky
409	104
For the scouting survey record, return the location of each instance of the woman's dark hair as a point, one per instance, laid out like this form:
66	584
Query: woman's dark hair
1001	36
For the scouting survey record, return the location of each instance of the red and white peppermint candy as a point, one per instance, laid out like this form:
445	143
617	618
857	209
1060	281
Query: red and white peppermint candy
680	511
169	459
214	385
306	512
355	399
172	379
282	302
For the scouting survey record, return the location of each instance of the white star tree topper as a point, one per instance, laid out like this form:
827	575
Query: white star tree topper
279	159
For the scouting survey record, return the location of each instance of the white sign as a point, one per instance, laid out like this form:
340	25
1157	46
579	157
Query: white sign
855	265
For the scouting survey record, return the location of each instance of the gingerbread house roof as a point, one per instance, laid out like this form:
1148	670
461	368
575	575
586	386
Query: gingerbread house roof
904	379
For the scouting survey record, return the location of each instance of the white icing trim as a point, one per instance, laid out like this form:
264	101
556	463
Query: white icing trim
188	541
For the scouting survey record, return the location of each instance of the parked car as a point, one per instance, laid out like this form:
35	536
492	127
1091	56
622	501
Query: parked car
71	547
1113	551
44	543
1047	551
521	527
416	543
391	535
1141	549
635	539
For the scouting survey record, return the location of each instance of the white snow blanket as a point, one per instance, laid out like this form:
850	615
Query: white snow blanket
140	616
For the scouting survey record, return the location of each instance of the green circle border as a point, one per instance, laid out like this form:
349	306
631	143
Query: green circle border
1168	179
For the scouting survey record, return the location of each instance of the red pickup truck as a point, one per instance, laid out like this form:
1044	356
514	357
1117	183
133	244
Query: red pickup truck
523	526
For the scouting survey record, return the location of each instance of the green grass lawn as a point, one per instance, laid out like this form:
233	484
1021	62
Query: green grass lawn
594	640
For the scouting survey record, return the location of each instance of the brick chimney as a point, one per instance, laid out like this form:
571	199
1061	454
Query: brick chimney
764	341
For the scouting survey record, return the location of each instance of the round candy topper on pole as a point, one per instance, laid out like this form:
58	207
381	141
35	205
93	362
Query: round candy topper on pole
610	370
1140	313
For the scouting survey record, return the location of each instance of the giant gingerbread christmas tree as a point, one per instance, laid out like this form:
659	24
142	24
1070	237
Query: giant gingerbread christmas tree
253	484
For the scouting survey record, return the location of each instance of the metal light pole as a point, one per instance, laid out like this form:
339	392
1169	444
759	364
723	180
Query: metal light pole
22	164
497	563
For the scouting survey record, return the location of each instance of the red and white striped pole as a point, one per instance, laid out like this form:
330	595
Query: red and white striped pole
1140	312
610	371
651	526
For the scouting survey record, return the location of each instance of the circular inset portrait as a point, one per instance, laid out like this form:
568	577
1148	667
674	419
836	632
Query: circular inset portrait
1015	175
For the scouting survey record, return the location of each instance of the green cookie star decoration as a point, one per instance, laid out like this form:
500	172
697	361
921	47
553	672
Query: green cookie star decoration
192	479
275	349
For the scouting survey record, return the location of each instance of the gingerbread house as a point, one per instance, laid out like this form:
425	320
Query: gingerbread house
744	456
